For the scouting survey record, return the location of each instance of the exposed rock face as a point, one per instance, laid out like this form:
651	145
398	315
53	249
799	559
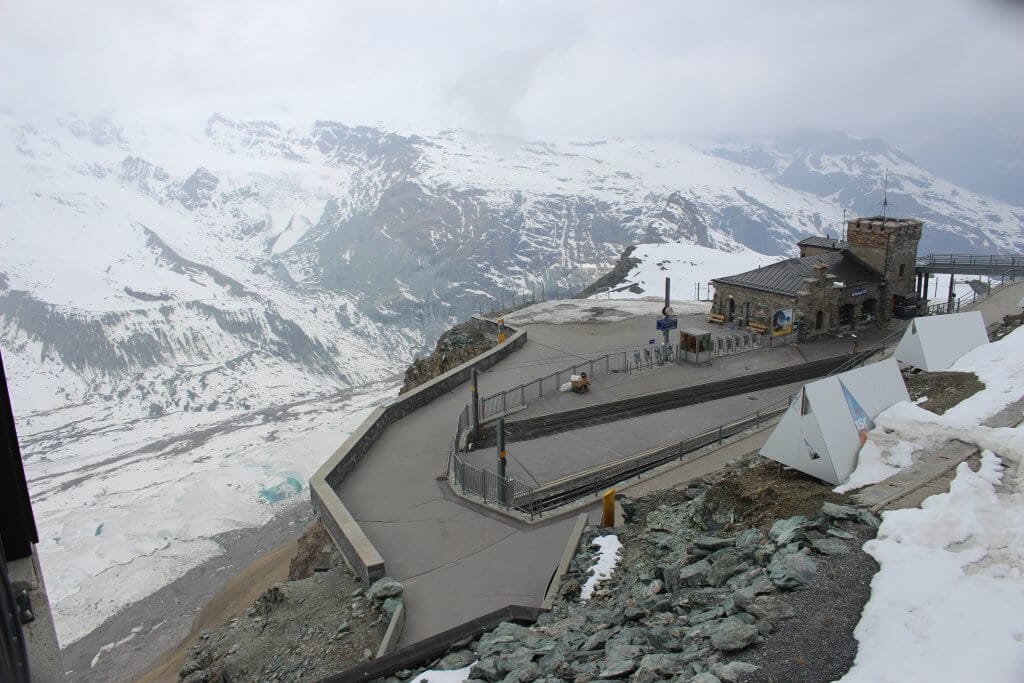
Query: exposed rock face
455	347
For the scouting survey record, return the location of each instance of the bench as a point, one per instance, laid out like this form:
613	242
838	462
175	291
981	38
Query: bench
716	318
758	327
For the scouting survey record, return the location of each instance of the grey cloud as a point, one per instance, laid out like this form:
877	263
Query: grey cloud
581	69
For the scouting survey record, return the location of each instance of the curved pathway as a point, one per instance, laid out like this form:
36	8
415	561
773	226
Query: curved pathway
458	560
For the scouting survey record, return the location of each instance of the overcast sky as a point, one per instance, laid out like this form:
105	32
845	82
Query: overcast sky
536	69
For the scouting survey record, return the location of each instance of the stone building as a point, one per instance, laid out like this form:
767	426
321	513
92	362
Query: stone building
834	285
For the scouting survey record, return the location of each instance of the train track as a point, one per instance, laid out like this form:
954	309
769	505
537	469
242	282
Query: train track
554	423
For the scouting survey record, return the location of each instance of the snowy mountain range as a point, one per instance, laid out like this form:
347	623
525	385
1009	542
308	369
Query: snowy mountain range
338	250
187	309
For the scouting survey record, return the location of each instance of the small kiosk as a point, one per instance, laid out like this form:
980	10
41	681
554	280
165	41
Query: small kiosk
695	346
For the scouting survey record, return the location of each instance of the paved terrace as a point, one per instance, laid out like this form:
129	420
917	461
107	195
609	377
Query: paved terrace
458	560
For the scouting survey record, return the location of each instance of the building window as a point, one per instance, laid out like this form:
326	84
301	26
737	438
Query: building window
903	269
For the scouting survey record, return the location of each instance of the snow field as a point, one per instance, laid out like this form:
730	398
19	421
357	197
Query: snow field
946	602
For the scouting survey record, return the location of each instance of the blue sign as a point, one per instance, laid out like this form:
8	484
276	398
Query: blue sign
652	342
858	292
668	323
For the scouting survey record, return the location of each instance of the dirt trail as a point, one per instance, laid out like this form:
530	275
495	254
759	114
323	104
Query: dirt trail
232	601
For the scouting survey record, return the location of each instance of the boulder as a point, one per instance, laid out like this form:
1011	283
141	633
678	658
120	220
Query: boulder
771	607
830	546
731	672
384	588
839	511
733	634
790	530
714	542
790	570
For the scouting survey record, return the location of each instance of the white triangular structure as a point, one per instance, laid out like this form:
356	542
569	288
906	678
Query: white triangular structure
829	419
935	342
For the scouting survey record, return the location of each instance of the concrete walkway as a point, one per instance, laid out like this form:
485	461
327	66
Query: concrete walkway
459	560
1002	302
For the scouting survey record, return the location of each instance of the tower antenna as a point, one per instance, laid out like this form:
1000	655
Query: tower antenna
885	195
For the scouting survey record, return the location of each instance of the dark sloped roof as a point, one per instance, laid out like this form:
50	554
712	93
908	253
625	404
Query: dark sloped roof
822	242
787	277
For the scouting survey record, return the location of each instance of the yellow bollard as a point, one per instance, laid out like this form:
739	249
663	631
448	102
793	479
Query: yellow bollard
608	508
501	330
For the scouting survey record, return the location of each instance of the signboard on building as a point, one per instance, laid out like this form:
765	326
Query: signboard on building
782	322
859	292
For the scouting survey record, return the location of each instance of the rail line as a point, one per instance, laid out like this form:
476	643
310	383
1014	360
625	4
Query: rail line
553	423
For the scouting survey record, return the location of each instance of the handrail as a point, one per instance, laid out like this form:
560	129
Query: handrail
535	500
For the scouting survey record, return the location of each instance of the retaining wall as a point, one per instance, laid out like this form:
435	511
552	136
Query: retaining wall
343	528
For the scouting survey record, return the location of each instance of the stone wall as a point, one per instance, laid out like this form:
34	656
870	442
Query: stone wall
360	553
837	307
885	245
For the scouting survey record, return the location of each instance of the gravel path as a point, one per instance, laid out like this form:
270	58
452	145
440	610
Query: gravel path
818	643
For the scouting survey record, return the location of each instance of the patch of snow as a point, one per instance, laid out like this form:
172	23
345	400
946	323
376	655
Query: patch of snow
568	311
453	676
604	565
946	602
689	266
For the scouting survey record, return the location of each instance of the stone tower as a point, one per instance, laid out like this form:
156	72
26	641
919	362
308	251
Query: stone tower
889	245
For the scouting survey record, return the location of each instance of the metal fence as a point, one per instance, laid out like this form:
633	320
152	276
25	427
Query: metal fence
955	305
490	487
722	344
535	500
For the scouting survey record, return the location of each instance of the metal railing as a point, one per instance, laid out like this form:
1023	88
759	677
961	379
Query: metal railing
722	344
535	500
975	296
972	261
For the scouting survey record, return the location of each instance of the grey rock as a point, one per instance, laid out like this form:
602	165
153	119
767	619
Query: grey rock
666	518
733	634
749	538
764	627
731	672
707	615
714	542
384	588
705	677
665	664
763	554
830	546
391	605
839	533
865	517
530	672
790	570
458	659
486	669
597	640
721	573
687	575
839	511
744	597
771	607
616	668
654	587
788	530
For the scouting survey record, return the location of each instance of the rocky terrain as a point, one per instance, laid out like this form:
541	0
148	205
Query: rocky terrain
453	348
321	621
747	575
